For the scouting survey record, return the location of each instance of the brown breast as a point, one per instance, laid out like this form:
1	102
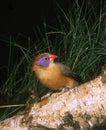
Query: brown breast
52	77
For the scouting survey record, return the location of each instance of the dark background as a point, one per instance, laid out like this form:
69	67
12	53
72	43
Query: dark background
23	16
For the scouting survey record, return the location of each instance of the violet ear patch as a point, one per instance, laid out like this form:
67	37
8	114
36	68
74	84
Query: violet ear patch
43	62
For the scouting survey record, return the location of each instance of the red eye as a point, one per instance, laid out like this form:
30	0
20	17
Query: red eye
47	58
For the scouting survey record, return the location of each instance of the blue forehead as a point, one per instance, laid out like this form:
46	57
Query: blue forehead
43	61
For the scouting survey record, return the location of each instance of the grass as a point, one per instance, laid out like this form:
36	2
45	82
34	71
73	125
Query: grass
79	42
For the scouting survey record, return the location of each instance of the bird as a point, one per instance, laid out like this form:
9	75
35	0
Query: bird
52	74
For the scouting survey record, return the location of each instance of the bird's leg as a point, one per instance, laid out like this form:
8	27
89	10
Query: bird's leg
65	89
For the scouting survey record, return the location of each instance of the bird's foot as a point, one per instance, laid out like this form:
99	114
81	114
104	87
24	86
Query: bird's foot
65	89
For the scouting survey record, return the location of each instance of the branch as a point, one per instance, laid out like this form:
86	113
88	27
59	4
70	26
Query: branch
79	108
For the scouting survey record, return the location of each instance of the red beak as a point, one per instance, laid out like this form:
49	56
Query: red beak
52	56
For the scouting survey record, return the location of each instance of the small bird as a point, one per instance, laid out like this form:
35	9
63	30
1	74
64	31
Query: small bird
54	75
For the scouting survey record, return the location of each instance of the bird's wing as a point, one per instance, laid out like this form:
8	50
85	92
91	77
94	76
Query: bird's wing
66	71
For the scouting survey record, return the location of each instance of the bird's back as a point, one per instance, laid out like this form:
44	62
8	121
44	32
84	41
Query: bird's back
66	71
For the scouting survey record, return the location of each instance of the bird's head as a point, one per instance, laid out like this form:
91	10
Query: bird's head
45	59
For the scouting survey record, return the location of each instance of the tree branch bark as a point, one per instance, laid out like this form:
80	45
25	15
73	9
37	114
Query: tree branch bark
80	108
